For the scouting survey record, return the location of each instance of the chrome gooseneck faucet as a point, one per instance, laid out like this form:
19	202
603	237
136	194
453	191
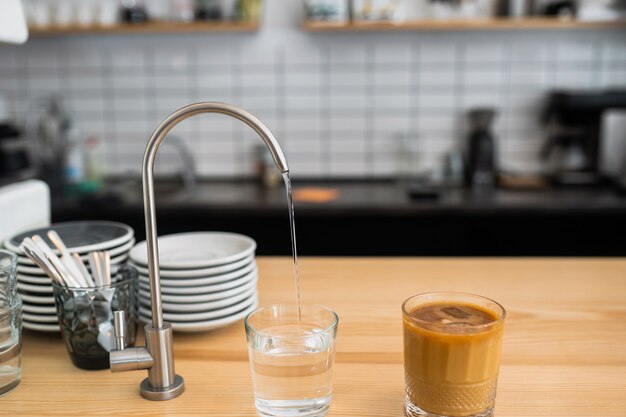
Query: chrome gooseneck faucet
157	357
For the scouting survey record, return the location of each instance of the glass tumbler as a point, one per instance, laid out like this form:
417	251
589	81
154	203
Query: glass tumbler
452	345
10	345
291	362
87	321
8	277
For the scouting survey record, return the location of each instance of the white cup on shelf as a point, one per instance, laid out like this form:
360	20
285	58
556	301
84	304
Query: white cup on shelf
86	12
40	13
65	13
108	13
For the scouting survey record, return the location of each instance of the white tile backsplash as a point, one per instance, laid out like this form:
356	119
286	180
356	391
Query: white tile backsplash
438	52
336	101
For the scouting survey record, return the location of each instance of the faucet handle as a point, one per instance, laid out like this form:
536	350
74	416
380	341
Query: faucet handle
120	329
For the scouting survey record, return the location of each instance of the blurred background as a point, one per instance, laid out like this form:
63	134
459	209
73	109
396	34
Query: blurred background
415	127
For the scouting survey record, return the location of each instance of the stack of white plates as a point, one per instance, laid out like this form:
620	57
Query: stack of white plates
35	287
208	279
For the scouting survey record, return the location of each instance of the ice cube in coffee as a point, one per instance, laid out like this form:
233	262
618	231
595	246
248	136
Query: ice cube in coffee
452	344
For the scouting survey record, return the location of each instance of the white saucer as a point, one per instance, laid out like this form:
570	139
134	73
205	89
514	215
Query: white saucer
34	299
32	279
39	289
205	315
40	318
196	273
204	289
35	270
203	326
80	236
201	307
196	250
196	282
120	250
39	309
41	327
200	298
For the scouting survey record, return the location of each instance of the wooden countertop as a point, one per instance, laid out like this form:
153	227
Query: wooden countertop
564	347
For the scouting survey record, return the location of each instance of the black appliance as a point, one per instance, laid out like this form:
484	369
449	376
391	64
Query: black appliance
571	152
15	161
481	163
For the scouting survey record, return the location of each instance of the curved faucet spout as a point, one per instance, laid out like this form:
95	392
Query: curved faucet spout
157	357
148	180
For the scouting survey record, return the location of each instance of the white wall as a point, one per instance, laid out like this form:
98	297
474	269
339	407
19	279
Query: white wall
335	101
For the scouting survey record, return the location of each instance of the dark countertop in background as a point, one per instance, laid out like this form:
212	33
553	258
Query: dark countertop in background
354	197
377	218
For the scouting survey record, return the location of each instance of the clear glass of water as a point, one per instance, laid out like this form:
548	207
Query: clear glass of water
292	360
10	345
8	278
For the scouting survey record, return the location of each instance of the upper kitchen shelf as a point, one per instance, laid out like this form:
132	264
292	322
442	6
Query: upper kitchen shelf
460	25
148	28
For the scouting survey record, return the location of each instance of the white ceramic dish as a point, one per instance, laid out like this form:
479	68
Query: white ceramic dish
39	318
203	326
120	250
39	289
81	236
32	279
196	250
205	315
39	309
37	299
201	307
35	270
41	327
204	289
197	273
200	298
197	282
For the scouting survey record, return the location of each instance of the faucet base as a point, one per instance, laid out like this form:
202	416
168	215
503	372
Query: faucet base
162	394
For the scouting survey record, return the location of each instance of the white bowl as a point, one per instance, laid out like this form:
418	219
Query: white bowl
196	250
200	298
203	326
197	282
196	273
206	288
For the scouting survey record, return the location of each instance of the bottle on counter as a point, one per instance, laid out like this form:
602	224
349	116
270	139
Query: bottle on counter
74	168
249	9
83	168
94	176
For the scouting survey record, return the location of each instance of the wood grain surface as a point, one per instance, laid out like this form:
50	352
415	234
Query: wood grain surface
564	346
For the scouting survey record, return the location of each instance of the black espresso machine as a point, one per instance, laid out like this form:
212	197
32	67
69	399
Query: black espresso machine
573	146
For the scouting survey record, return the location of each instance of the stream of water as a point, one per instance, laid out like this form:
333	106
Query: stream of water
293	241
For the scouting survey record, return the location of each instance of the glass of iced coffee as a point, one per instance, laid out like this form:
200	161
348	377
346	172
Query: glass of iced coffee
452	345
